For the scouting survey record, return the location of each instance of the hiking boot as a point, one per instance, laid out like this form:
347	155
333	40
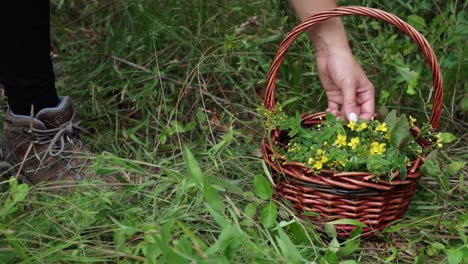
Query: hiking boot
46	147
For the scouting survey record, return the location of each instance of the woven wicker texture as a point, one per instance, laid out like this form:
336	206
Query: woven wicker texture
337	195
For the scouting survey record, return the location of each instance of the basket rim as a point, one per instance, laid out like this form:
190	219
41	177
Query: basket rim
406	28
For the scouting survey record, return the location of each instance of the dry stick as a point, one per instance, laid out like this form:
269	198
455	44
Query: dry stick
24	160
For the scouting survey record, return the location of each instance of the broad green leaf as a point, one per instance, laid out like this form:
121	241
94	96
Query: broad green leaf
250	210
330	230
334	245
400	134
417	21
447	137
352	243
212	198
391	119
330	257
289	250
438	246
454	256
431	168
268	215
382	113
220	219
411	77
453	168
262	188
193	167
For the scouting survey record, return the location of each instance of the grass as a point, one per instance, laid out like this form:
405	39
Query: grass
170	91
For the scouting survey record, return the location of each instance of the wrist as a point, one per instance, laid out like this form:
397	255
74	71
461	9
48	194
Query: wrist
329	35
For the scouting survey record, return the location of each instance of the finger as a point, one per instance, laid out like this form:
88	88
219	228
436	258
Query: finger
333	108
348	88
367	107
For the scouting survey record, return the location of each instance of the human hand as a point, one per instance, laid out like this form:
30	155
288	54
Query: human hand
349	91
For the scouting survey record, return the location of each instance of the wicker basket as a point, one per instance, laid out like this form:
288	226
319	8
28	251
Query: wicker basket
352	195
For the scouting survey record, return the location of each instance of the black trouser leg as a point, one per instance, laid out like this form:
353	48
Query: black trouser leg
26	69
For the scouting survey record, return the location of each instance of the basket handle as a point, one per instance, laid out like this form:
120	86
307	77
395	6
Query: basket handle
361	11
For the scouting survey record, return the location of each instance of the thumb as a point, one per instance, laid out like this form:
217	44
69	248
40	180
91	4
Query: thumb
348	89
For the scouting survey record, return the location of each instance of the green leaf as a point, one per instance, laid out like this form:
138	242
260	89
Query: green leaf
347	222
382	113
464	104
212	198
391	119
431	168
454	256
420	258
453	168
411	77
334	245
403	172
289	250
417	21
268	215
400	133
330	257
262	188
350	261
250	210
438	246
330	230
193	167
352	243
219	218
447	137
330	118
19	191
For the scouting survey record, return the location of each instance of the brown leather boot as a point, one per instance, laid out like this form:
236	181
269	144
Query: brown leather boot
46	147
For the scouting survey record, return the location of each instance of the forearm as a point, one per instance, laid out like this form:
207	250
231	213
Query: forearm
327	34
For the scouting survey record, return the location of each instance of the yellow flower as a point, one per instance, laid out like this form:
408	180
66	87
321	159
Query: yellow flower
318	165
438	142
354	142
377	148
351	125
411	121
340	141
407	161
381	127
310	161
319	152
387	136
324	159
361	127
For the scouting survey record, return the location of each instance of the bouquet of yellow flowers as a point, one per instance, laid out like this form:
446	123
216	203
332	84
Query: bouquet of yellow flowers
380	146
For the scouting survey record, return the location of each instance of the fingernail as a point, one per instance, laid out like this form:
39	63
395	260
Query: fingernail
353	117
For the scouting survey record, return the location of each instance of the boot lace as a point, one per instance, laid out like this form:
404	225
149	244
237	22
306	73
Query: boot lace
60	141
